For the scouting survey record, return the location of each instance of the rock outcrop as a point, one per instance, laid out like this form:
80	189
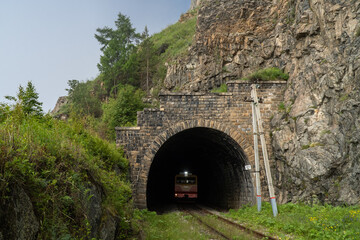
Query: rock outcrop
62	101
316	133
19	220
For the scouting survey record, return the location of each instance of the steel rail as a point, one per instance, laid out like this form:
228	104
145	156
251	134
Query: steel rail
246	229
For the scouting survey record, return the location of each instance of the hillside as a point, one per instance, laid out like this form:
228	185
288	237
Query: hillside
316	138
58	181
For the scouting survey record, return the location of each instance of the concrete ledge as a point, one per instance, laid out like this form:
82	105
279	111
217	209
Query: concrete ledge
127	128
183	94
196	94
256	82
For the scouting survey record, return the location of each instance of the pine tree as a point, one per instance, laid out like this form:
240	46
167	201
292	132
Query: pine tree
148	59
118	46
27	100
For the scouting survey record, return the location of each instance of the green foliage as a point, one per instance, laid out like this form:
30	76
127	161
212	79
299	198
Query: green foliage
221	89
56	163
344	97
122	110
148	61
118	63
357	34
84	97
300	221
311	145
324	132
268	74
27	100
178	37
172	43
284	108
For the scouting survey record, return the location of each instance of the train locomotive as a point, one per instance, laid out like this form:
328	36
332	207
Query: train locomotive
186	186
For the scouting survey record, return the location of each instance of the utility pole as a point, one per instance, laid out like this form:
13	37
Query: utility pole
256	151
257	116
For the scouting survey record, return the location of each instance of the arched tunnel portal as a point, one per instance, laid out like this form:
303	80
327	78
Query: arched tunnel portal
217	160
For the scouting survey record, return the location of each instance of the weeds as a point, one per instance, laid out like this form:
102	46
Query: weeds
221	89
300	221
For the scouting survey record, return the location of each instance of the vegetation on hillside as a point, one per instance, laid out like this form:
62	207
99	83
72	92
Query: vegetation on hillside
57	163
131	64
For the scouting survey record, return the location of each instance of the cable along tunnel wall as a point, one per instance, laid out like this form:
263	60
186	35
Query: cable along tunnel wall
210	133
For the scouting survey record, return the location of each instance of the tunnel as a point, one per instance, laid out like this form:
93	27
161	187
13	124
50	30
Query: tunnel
214	157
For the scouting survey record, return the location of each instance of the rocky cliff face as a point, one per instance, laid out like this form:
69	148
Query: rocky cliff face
316	133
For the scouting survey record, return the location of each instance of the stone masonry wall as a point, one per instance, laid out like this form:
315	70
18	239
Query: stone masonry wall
227	112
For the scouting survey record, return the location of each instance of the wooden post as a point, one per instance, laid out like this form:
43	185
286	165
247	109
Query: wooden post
264	150
256	152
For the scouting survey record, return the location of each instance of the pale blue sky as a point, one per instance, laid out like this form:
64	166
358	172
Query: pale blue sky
52	41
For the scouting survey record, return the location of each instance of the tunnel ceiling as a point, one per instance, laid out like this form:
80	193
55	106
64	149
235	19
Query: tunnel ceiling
213	156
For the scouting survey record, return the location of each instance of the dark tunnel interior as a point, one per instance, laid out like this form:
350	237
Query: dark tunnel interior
216	159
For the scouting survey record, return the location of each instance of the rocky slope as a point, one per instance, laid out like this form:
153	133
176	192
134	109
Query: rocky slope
316	133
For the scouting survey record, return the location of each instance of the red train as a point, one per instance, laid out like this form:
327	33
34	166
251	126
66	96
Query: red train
186	186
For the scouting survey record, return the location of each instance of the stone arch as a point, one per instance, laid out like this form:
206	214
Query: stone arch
235	133
234	136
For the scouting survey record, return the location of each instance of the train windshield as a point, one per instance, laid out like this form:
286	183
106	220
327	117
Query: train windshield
186	180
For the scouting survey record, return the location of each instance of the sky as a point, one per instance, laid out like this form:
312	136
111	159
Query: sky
50	42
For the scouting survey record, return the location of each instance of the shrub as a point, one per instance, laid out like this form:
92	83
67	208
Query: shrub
268	74
221	89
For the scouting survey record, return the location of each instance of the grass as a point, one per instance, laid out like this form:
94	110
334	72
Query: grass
357	34
178	36
173	225
300	221
344	97
267	74
228	230
221	89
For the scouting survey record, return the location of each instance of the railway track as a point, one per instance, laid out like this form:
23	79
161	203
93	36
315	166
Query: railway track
198	212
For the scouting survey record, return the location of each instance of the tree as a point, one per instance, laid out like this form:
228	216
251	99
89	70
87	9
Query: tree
148	59
117	46
27	100
122	110
83	97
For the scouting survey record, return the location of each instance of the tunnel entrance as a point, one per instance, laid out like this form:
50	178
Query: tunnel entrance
214	157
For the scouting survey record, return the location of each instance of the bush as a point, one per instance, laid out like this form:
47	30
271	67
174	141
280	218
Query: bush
268	74
122	111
